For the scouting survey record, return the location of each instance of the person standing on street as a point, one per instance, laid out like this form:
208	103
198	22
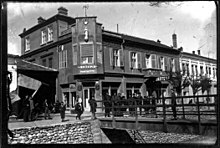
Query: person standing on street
173	102
93	106
107	104
46	110
79	108
31	108
62	111
26	107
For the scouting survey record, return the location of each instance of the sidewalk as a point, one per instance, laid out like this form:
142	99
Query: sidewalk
56	119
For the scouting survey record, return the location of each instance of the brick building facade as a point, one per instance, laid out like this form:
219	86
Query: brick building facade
92	61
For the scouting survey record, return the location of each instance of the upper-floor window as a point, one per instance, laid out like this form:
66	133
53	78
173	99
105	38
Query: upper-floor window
213	72
201	70
27	43
166	64
87	53
62	57
173	68
135	60
51	62
153	61
44	62
207	72
183	68
192	69
161	63
50	33
43	37
196	69
147	61
210	72
116	57
187	68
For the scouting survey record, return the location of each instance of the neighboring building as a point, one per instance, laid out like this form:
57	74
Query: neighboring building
12	67
195	66
92	61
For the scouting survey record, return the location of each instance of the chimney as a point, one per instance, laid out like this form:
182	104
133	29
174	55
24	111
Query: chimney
198	52
158	41
24	30
117	28
62	11
193	52
40	20
174	40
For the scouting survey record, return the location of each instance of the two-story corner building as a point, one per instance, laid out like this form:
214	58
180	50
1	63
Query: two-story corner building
92	61
196	65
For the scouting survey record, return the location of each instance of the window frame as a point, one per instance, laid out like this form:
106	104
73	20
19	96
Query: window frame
93	56
62	58
27	40
43	36
50	33
148	60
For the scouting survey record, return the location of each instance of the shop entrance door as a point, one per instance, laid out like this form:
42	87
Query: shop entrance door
87	94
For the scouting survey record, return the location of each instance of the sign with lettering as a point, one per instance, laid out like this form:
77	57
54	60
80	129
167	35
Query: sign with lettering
88	71
87	66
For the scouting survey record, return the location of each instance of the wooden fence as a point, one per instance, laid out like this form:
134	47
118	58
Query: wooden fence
193	111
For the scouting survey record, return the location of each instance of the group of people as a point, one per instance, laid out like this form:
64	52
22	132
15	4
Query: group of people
118	104
80	109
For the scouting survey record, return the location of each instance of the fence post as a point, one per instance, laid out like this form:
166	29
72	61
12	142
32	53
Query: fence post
113	115
183	108
164	116
199	120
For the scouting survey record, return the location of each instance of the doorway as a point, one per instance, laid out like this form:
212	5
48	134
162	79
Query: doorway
88	92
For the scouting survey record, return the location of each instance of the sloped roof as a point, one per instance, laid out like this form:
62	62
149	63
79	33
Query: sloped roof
137	39
25	65
38	72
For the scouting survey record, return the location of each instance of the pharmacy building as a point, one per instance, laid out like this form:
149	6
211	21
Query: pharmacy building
92	61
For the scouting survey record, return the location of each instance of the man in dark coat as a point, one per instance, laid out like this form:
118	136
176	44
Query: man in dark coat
107	104
26	108
146	101
131	105
139	102
93	106
115	103
79	108
173	102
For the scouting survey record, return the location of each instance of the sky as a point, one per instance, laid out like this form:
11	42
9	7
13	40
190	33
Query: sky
194	22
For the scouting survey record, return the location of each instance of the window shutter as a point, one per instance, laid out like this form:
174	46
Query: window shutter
159	62
86	50
130	60
111	56
139	60
176	64
74	54
121	54
144	61
153	61
168	64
